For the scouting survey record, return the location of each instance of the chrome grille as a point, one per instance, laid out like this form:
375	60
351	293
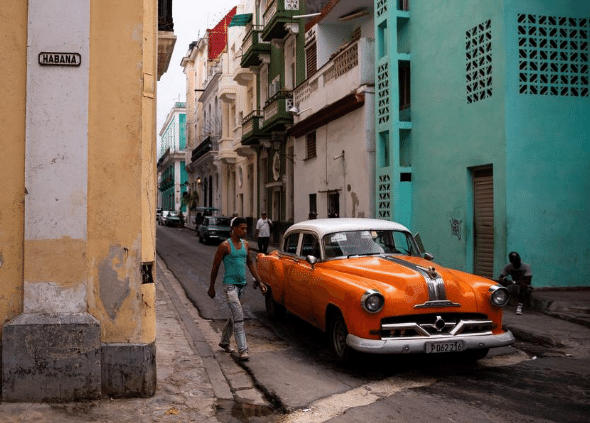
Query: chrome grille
435	325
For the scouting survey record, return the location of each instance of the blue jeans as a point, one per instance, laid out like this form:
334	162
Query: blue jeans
235	323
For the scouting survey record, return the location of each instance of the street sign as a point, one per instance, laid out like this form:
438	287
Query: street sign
60	59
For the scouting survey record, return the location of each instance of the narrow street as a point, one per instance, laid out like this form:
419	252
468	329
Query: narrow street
292	368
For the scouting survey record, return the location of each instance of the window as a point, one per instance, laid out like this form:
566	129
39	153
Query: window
404	87
311	59
313	203
310	145
310	246
333	204
290	245
384	144
382	40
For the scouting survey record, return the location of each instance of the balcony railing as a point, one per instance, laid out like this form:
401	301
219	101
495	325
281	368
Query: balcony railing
253	46
207	145
350	67
165	22
276	14
276	110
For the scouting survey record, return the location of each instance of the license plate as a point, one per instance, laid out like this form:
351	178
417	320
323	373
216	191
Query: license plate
443	347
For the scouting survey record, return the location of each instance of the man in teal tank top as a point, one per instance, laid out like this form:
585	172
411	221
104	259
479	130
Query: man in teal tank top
235	255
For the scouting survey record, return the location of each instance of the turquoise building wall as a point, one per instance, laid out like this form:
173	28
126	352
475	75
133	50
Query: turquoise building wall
473	105
547	137
182	131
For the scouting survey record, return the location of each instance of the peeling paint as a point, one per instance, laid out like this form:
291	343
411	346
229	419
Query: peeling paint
114	282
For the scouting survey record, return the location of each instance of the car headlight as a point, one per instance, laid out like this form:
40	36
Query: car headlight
372	301
500	296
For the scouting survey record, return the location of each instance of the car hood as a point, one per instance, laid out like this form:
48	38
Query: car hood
393	275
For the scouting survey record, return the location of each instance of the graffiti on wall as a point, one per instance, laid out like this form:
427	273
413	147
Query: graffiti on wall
456	228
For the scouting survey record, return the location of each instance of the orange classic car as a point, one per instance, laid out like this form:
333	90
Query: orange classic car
367	284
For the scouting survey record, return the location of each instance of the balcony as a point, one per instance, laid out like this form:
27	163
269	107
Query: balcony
276	112
171	155
208	145
253	47
347	70
277	14
166	37
252	128
227	88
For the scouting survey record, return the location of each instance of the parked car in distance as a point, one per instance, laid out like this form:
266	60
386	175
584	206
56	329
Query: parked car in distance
369	287
173	218
200	213
162	217
214	228
158	216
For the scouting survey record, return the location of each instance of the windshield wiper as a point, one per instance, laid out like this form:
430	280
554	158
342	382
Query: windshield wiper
361	254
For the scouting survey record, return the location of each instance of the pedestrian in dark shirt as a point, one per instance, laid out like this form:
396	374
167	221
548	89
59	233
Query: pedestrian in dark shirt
521	275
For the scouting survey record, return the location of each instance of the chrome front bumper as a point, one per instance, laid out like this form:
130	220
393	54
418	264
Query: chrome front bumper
418	344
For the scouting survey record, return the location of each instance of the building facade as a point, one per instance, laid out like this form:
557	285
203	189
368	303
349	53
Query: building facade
204	66
491	153
77	233
172	151
333	140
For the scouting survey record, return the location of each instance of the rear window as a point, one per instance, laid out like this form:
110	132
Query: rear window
219	221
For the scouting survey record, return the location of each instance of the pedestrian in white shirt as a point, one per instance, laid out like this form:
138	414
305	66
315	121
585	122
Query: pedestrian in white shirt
263	229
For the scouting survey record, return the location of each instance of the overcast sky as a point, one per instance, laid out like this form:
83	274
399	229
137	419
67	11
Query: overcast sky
191	19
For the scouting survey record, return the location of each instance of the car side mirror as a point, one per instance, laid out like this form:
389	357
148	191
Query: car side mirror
311	260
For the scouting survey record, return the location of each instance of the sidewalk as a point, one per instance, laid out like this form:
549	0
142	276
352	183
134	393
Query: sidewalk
195	383
557	318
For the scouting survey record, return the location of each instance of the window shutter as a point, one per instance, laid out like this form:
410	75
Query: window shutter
311	59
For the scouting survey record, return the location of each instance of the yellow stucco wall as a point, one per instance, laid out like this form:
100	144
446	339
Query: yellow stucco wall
13	75
121	163
121	198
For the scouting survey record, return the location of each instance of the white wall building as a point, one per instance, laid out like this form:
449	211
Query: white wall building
333	131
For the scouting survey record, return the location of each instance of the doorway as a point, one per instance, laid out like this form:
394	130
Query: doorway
483	222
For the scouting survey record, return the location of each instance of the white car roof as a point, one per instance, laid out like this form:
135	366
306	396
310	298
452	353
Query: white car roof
328	226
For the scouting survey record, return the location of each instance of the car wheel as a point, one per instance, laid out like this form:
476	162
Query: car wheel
337	333
275	310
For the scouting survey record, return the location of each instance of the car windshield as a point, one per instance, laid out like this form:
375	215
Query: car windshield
219	221
173	214
369	242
